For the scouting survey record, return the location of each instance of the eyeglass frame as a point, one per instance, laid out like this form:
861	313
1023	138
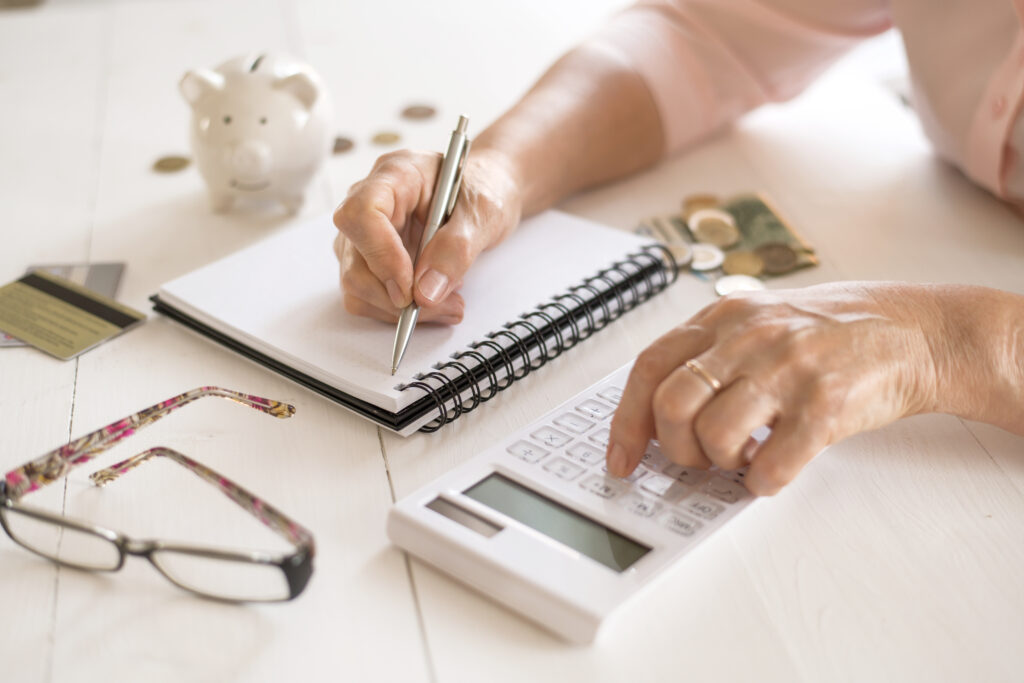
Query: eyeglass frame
296	566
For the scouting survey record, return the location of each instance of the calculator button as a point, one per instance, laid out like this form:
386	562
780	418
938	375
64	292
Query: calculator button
662	486
680	523
640	505
550	436
584	453
738	476
702	507
594	409
601	437
691	476
633	476
602	486
573	422
563	469
524	450
611	394
724	490
654	460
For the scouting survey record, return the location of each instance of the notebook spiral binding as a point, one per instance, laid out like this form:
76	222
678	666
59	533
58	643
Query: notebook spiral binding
488	367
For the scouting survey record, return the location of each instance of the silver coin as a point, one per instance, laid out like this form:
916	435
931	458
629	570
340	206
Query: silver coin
706	256
737	283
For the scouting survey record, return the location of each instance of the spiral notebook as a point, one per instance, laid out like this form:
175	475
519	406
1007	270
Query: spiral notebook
554	282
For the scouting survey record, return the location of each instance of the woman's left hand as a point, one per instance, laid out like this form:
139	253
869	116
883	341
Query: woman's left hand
816	365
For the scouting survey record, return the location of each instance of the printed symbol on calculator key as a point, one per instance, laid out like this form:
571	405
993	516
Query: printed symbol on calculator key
681	524
702	507
600	437
551	437
640	505
584	453
611	394
594	409
573	422
602	486
654	460
524	450
691	476
563	469
724	490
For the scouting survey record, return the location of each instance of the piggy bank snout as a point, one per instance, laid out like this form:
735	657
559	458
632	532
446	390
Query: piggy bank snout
249	158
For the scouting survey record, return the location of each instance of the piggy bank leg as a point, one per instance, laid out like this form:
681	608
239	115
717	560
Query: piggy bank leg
293	203
221	202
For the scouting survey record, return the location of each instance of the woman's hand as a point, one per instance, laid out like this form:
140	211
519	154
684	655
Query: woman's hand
381	220
815	364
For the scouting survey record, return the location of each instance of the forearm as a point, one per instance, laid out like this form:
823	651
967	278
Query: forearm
978	347
588	120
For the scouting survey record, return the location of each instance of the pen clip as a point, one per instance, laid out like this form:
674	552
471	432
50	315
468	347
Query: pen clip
457	183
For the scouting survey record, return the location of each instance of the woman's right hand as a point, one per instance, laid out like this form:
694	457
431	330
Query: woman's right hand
382	218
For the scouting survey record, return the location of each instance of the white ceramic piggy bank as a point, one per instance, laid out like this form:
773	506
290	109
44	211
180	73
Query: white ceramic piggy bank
260	128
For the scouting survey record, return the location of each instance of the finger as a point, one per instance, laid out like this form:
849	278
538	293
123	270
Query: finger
723	426
378	209
447	257
794	441
450	313
358	281
633	423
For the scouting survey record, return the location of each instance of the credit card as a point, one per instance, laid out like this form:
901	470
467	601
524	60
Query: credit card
102	278
60	317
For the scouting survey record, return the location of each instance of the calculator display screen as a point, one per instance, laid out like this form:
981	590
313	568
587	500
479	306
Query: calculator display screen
556	521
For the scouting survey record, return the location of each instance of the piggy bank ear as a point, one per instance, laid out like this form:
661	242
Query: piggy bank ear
301	86
199	82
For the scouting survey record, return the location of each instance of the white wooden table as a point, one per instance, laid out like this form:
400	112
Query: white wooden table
897	555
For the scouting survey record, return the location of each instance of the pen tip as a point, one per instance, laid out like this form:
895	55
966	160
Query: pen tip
393	371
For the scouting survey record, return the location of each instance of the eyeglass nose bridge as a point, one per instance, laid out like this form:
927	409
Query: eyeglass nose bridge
141	548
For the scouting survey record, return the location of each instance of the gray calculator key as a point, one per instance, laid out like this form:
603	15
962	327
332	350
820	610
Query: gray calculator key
602	486
611	394
600	437
654	460
573	422
680	523
663	487
640	505
594	409
585	453
724	490
563	469
524	450
549	436
702	507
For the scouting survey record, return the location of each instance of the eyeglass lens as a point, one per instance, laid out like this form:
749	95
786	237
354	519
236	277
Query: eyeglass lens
224	578
65	544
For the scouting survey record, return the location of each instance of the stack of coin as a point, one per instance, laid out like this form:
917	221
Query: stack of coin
706	257
737	283
697	202
778	258
714	226
743	262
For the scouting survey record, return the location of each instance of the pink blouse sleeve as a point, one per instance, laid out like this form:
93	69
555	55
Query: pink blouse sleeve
708	61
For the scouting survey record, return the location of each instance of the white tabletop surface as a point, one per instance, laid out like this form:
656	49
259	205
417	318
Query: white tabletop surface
896	555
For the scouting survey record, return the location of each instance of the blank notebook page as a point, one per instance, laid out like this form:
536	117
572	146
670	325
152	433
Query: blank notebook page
281	297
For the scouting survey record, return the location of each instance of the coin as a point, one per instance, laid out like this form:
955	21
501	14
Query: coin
742	262
418	111
714	226
342	144
706	257
778	257
170	164
386	137
696	202
737	283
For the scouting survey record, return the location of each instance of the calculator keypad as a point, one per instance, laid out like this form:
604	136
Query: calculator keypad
571	450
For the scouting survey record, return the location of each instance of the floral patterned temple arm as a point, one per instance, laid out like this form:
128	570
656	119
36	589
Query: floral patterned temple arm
52	466
263	511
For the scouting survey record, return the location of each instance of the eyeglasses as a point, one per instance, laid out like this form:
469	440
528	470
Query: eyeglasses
222	574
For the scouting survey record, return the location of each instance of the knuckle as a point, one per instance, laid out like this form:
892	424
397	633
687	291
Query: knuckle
669	406
716	437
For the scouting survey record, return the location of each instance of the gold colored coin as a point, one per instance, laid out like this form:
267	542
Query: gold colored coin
714	226
778	258
342	145
386	137
170	164
696	202
743	263
418	112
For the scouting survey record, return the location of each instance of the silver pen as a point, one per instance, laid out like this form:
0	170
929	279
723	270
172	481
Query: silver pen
442	203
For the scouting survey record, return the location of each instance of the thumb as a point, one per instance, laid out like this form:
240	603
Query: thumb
447	257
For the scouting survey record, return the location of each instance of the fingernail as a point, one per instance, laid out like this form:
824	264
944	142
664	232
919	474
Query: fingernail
432	285
617	461
395	294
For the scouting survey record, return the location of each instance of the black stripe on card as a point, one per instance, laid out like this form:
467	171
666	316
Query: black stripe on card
78	300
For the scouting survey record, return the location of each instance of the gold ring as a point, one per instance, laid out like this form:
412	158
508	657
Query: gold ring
695	366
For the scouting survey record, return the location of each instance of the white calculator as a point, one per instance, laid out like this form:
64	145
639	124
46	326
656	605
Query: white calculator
536	523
